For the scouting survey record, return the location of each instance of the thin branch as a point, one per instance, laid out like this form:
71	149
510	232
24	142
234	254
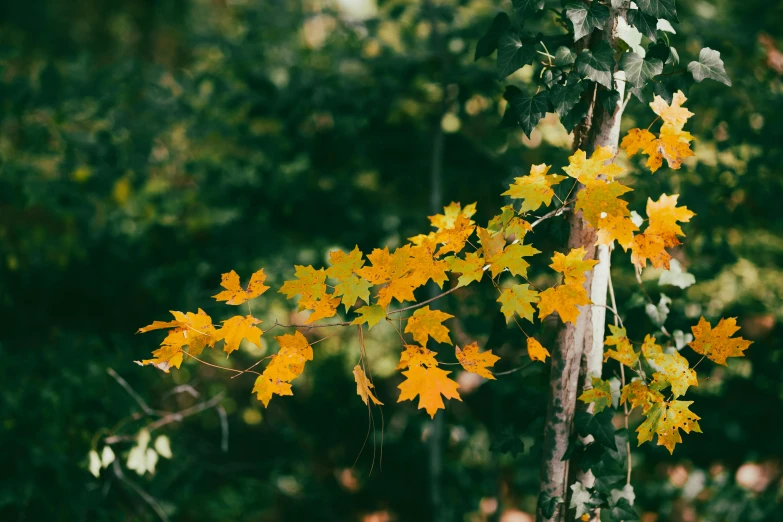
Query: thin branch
558	211
417	305
509	372
122	382
168	419
146	497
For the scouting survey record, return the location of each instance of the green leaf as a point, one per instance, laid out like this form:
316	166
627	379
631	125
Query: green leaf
709	66
671	84
622	511
528	110
608	99
599	426
607	474
586	18
371	315
550	77
581	499
646	24
564	56
575	115
597	64
489	42
639	70
547	504
528	5
512	54
591	456
565	97
660	51
659	9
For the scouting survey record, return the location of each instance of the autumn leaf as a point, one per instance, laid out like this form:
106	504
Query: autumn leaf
616	228
673	369
637	140
192	330
518	300
431	385
450	214
664	215
391	269
351	289
236	329
310	285
471	268
665	419
638	395
364	386
476	362
344	265
601	198
673	115
234	294
425	323
512	259
717	344
573	266
563	299
284	366
324	308
415	355
534	189
624	352
425	267
453	239
536	351
587	170
650	247
509	224
370	315
600	395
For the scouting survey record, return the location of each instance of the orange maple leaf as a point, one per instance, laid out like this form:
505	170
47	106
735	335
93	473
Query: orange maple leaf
415	355
573	266
716	343
536	351
476	362
284	366
364	386
234	294
563	299
425	323
431	385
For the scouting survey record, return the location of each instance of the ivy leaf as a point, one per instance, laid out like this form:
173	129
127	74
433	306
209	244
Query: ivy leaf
608	99
488	43
548	504
580	499
599	426
575	115
608	472
646	24
630	35
513	54
676	276
622	511
528	5
565	97
639	70
528	110
709	66
586	18
659	9
597	64
564	56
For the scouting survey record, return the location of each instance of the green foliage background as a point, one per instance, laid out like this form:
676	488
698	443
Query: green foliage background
148	146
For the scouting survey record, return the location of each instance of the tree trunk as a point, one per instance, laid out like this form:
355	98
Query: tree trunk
579	350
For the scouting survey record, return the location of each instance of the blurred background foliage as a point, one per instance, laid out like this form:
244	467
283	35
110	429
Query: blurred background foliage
147	146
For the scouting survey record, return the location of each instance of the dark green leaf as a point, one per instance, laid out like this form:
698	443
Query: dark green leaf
659	9
586	18
671	84
489	42
512	54
644	94
591	456
646	24
608	99
607	474
659	51
528	5
564	56
597	64
639	70
565	97
709	66
575	115
547	504
599	426
551	76
528	109
622	511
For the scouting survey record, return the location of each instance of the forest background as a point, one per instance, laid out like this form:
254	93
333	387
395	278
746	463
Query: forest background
148	146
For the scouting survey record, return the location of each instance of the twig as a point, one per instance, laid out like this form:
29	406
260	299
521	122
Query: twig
169	418
122	382
417	305
146	497
509	372
548	215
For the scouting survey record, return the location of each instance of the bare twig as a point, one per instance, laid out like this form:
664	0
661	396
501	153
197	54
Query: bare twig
146	497
136	397
417	305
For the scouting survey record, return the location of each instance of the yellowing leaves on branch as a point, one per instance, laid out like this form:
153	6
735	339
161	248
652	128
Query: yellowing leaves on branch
534	189
661	232
424	379
234	294
476	362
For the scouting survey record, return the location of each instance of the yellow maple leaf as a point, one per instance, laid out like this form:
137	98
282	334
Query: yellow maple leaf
450	214
536	351
666	419
573	266
234	294
370	315
425	323
534	189
364	386
624	352
664	215
391	269
192	330
284	366
600	395
674	115
453	239
310	285
675	371
650	247
500	256
717	344
509	224
471	268
476	362
600	199
344	265
236	329
352	289
324	308
415	355
616	228
637	394
565	300
518	299
588	170
637	140
425	267
431	385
